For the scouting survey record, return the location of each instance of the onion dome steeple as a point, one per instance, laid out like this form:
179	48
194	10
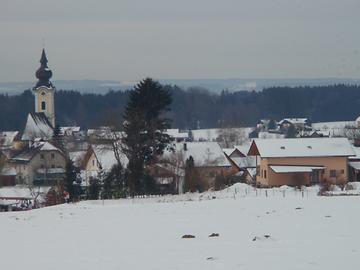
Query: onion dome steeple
43	73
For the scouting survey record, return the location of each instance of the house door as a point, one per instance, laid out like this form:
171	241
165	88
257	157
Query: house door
315	176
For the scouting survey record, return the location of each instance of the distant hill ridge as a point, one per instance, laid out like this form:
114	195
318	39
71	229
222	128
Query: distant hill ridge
213	85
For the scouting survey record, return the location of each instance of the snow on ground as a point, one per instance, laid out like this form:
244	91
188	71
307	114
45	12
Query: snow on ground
255	232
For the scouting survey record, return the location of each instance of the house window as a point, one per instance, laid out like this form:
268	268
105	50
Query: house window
264	173
93	162
261	173
332	173
43	105
52	155
41	156
53	166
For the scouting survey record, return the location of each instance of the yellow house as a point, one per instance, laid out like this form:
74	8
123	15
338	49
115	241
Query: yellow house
301	161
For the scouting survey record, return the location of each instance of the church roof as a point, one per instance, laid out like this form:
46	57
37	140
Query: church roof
43	73
37	127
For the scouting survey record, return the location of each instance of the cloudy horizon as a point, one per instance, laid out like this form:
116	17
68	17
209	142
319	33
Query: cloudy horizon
165	39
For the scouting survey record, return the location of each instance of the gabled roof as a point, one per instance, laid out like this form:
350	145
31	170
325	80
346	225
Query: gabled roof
205	154
294	120
28	153
228	151
245	162
37	126
243	148
302	147
105	155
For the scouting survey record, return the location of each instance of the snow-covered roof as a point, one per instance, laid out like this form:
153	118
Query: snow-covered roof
27	154
245	162
355	165
45	146
228	151
294	120
175	133
205	154
303	147
106	156
293	169
37	126
244	148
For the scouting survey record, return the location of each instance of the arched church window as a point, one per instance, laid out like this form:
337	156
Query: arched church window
43	105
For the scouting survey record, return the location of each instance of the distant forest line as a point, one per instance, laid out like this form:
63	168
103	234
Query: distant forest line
195	106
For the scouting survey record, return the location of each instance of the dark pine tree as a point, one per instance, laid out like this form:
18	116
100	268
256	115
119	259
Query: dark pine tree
192	177
114	184
94	188
71	185
144	123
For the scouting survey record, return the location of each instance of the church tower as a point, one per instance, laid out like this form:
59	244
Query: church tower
44	91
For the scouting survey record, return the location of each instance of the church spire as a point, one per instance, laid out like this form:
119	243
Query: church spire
44	91
43	59
43	73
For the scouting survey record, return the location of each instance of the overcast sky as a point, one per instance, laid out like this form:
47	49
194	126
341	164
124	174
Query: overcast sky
127	40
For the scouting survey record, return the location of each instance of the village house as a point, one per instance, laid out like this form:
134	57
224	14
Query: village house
41	163
354	165
297	123
168	177
209	160
97	158
245	164
301	161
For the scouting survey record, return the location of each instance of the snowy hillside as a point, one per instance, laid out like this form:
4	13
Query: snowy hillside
298	231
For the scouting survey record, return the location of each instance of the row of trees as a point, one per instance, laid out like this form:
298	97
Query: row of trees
194	107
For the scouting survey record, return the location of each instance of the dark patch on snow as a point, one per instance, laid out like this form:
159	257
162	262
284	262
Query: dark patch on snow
188	236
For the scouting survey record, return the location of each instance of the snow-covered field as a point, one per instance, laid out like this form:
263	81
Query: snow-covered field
298	231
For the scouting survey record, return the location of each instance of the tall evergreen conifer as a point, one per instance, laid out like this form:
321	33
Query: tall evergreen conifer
144	123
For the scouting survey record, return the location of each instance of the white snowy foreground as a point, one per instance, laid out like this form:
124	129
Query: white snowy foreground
255	232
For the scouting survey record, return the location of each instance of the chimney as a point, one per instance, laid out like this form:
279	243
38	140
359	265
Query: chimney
185	147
